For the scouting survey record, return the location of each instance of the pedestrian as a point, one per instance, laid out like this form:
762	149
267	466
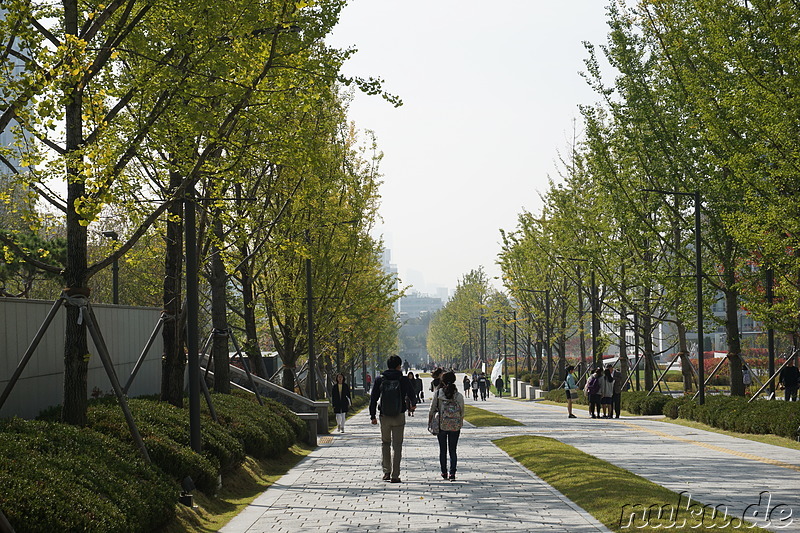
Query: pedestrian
619	382
413	381
592	390
607	390
789	380
475	389
467	384
498	384
571	389
747	377
420	392
449	404
369	383
436	375
340	400
389	395
483	385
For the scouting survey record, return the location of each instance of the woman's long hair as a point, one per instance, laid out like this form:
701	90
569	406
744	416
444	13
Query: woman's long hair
449	381
608	375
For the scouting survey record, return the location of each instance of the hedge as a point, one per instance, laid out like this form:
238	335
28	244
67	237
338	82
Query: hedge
736	414
57	477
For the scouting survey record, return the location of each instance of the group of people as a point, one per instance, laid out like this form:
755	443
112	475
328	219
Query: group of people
603	388
395	394
479	384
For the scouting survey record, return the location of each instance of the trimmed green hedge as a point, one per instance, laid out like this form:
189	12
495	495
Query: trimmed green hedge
56	477
262	431
735	414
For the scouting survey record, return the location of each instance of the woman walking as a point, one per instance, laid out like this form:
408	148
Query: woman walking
340	400
571	388
466	384
449	404
475	388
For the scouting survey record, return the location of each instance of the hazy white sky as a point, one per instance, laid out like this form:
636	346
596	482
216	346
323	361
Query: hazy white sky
490	92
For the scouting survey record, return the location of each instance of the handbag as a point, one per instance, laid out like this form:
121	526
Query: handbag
433	424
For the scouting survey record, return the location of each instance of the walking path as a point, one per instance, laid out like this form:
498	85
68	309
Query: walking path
338	487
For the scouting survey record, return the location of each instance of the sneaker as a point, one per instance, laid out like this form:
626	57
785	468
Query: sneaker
387	477
452	477
444	476
572	416
396	480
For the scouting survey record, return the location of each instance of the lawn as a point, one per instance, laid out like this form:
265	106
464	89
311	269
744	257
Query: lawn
483	418
619	499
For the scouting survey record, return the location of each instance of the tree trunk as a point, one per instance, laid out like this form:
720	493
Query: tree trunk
76	350
734	343
251	346
173	363
683	352
219	313
647	351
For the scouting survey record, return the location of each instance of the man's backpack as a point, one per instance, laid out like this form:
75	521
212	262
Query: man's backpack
391	397
450	414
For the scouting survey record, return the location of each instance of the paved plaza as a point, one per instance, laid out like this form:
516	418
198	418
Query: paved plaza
338	487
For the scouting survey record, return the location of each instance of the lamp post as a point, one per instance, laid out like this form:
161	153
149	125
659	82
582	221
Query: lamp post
593	306
114	236
547	332
698	266
312	359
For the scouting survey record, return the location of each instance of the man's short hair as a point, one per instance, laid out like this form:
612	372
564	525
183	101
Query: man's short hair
393	362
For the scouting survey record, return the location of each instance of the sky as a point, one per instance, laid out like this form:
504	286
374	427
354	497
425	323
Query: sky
490	96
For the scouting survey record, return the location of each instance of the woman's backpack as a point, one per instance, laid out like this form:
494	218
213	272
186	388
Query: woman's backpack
592	385
449	413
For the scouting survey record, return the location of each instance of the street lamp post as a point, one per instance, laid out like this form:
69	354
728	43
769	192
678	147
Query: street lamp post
698	265
114	236
547	333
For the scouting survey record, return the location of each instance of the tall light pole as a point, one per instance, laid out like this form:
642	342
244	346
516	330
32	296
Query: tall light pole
312	359
114	236
311	382
547	333
698	265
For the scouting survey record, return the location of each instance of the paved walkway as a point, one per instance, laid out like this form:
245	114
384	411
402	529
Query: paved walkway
338	486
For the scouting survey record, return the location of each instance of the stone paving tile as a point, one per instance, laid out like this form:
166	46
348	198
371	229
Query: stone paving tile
338	488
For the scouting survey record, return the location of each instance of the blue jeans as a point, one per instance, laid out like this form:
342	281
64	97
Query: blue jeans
448	440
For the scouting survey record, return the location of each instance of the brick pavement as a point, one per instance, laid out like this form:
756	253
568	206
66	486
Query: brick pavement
338	487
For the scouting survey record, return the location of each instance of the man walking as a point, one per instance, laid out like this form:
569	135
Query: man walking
498	384
790	379
391	394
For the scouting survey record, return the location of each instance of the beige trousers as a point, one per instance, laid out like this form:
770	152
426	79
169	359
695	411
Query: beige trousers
392	428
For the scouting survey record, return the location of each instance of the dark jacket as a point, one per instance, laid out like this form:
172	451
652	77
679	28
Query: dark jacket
340	404
790	375
498	384
406	388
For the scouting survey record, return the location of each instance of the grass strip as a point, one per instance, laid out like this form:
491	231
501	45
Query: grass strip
239	489
619	499
483	418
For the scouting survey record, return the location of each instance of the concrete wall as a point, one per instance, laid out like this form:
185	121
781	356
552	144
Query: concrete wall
125	330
